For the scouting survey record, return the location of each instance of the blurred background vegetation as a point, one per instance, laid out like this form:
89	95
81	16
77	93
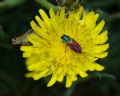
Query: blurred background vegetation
15	16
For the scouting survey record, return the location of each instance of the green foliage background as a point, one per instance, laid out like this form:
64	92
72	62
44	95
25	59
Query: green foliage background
15	16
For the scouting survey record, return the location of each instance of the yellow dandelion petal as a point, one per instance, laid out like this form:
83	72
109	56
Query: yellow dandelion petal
61	77
41	23
52	13
26	48
102	55
101	38
99	27
100	48
38	66
90	20
26	54
41	74
98	67
65	45
52	81
76	14
38	30
29	75
44	16
82	74
62	12
68	81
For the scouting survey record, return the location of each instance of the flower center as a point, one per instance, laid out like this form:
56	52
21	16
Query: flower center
74	45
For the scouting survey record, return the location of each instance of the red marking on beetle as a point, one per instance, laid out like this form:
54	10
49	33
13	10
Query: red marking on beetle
74	46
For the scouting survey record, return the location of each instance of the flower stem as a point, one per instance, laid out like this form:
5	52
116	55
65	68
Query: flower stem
47	4
10	3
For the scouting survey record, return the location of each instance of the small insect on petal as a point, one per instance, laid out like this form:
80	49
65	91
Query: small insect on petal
71	43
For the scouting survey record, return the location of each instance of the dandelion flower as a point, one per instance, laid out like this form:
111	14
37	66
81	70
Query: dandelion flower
65	45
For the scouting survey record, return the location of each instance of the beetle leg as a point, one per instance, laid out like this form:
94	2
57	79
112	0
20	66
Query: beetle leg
65	47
